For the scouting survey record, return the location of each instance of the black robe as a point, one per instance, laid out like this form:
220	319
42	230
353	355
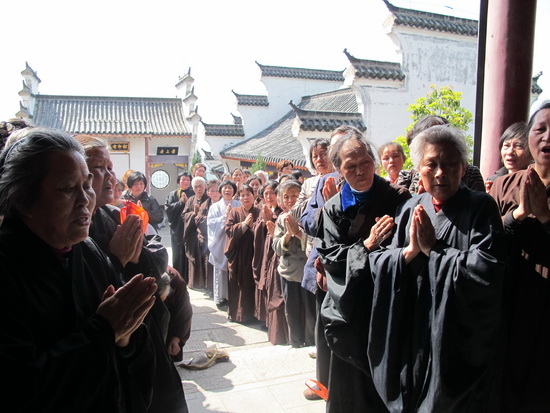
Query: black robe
435	332
56	354
168	392
174	208
345	311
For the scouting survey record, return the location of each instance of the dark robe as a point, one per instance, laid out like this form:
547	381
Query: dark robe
196	260
181	312
343	226
202	230
435	332
268	284
174	208
56	353
239	250
527	359
168	392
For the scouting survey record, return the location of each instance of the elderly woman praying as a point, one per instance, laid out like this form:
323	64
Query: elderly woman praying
437	308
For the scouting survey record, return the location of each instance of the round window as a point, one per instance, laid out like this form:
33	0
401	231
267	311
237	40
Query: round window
160	179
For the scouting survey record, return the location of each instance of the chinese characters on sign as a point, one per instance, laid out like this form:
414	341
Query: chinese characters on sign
120	146
167	150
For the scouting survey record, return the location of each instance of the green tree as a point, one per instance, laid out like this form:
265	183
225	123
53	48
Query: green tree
259	165
443	102
196	159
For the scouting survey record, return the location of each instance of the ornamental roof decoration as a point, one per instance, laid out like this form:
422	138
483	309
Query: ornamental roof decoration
432	21
374	69
111	115
535	87
251	100
223	130
301	73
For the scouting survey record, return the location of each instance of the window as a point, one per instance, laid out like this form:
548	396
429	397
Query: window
160	179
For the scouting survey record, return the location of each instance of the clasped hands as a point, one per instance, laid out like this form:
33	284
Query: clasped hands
421	234
533	199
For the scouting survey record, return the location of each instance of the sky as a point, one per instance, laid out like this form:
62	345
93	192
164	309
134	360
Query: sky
141	48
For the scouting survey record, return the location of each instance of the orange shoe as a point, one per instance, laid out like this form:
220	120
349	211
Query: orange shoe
315	391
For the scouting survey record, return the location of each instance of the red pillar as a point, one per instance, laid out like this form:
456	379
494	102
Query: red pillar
508	73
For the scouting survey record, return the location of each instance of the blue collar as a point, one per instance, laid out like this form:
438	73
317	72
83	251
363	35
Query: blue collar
349	198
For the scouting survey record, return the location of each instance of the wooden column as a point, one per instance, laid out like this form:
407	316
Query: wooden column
508	73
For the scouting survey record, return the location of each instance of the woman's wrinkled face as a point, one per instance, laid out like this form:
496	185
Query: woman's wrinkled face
100	165
441	170
237	176
321	161
137	188
214	193
247	199
515	155
62	213
227	192
270	197
392	161
357	166
539	138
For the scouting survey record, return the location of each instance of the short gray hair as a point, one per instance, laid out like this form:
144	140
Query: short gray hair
23	165
336	149
437	135
198	179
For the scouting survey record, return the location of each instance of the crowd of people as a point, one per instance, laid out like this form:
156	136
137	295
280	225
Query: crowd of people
423	290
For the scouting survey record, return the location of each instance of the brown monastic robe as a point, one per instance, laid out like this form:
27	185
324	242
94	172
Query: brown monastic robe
268	283
239	250
196	259
527	362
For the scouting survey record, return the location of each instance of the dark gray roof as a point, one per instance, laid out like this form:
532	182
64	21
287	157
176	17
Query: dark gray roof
251	100
111	115
432	21
321	112
374	69
299	73
223	130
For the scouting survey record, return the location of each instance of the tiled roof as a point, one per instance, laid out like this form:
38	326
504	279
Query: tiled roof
299	73
274	144
327	121
223	130
251	100
111	115
373	69
432	21
535	87
321	112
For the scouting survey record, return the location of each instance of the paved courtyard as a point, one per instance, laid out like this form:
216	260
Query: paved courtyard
258	377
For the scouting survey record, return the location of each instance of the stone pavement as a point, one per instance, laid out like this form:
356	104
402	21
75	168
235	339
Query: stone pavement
258	377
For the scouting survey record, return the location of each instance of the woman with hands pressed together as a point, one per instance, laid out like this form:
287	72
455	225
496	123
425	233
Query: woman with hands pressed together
239	250
523	199
436	323
64	307
354	222
131	253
